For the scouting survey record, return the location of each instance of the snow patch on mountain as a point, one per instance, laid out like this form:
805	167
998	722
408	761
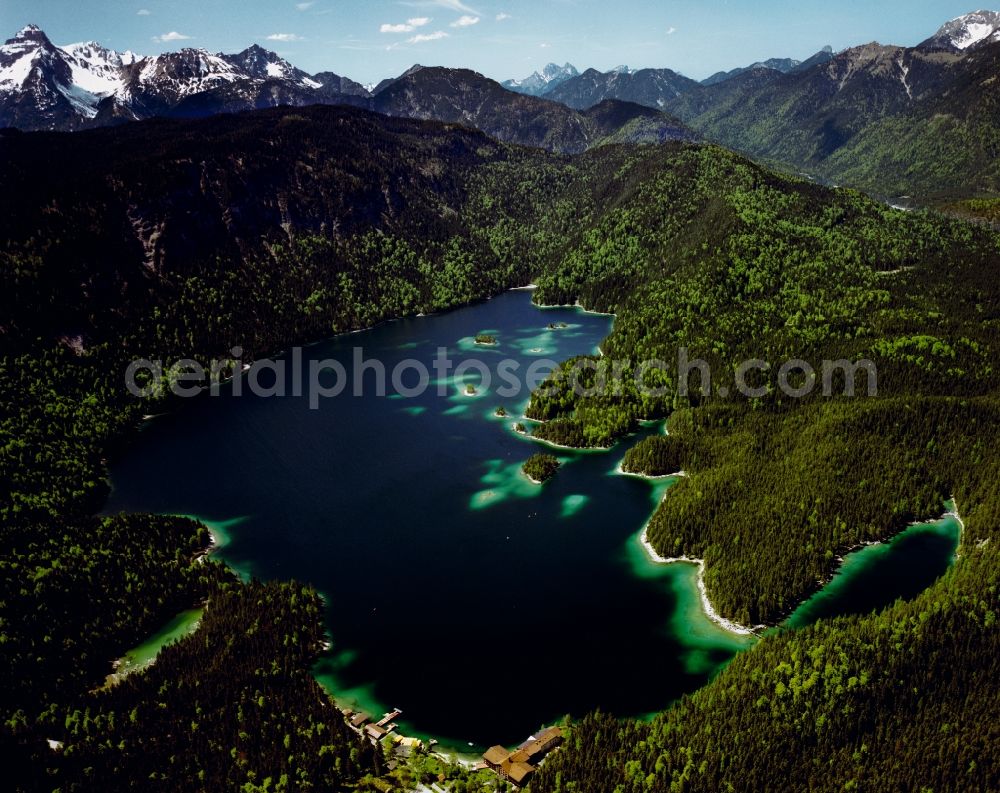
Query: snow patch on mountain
83	101
96	69
19	69
967	31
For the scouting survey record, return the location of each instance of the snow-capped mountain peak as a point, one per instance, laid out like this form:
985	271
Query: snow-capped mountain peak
541	82
187	71
27	57
966	31
554	71
30	33
262	64
16	62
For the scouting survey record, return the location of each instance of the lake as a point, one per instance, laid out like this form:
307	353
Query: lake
480	604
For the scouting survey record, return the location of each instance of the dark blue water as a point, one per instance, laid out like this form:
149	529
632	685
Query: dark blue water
480	604
875	577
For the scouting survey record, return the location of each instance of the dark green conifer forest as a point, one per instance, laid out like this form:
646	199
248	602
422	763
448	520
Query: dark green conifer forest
166	240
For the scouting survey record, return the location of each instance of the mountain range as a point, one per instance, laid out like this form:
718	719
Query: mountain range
893	120
919	121
783	65
45	87
542	82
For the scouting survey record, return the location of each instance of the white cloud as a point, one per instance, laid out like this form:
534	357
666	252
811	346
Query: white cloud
406	27
502	16
304	6
173	35
285	37
143	12
671	30
465	21
422	37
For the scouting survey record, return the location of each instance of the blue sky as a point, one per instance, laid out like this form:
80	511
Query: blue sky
371	39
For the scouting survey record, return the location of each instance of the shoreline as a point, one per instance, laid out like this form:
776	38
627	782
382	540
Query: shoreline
714	616
823	583
655	557
953	513
649	477
552	444
577	305
586	310
743	630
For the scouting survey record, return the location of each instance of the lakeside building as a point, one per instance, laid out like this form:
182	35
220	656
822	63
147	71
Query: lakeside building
519	766
375	732
359	720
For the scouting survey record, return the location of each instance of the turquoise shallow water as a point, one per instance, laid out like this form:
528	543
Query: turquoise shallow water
874	577
177	628
479	603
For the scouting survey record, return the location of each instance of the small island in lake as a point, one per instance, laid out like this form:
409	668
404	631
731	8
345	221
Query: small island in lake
557	326
485	340
520	428
540	468
501	412
470	390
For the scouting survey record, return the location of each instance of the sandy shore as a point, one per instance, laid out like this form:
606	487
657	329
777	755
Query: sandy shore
649	478
570	448
580	306
706	604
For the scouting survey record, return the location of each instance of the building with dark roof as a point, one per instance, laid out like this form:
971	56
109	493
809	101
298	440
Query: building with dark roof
375	732
359	720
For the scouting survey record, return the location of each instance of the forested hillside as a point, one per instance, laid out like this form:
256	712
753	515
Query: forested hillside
777	489
173	239
903	700
178	239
